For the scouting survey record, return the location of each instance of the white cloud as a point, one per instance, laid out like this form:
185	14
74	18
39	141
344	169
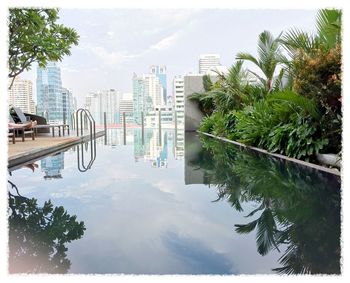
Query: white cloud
112	58
166	42
110	34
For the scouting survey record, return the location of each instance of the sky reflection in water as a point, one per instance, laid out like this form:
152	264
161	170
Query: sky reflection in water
141	218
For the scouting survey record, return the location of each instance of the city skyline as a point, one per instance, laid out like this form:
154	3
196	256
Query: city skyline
115	43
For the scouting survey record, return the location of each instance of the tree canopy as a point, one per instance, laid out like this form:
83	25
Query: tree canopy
35	36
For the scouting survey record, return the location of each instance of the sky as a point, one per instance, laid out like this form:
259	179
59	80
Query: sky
115	43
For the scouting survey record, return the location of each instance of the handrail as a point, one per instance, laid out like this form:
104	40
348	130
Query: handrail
88	116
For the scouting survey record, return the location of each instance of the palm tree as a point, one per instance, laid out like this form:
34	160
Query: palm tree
328	25
233	92
230	91
269	57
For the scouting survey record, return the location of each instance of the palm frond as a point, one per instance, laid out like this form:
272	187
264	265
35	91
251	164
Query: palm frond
296	39
296	100
248	57
328	24
207	83
266	230
277	85
246	228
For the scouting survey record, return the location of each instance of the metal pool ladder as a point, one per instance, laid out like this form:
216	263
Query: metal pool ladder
85	119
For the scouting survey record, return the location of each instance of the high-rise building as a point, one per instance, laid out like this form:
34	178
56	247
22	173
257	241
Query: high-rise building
147	95
68	105
153	89
21	95
139	97
207	61
179	100
160	72
126	106
49	93
104	101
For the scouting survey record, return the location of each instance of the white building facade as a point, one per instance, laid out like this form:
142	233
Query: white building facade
179	101
207	61
104	101
148	94
21	95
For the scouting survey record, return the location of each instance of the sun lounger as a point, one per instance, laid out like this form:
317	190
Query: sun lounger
23	119
24	128
12	135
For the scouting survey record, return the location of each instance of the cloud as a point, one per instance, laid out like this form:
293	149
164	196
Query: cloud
110	34
166	42
112	58
69	69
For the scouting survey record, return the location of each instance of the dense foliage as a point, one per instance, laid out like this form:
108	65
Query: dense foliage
318	77
294	107
35	36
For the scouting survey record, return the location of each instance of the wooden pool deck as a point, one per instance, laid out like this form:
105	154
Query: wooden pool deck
44	144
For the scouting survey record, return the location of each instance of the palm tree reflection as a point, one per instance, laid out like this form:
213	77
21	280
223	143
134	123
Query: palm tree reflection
295	206
38	235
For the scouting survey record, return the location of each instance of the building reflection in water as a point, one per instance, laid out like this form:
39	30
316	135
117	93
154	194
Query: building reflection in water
152	147
52	166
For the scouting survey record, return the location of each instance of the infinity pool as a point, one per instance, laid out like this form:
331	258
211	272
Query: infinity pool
171	204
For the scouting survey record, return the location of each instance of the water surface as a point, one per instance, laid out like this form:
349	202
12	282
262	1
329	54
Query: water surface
170	204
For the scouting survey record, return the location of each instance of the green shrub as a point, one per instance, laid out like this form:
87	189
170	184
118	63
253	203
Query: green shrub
284	123
254	123
219	124
318	76
297	139
207	124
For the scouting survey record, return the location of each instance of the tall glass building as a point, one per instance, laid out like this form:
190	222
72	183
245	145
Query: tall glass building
67	105
49	93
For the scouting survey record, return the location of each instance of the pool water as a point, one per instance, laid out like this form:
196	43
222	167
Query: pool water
170	203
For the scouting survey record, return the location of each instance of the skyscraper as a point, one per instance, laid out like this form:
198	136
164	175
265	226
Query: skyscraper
207	61
139	97
179	100
126	106
147	94
160	72
68	105
104	101
21	95
49	93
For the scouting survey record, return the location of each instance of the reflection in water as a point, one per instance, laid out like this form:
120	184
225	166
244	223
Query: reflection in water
52	166
296	206
155	149
38	235
152	148
84	159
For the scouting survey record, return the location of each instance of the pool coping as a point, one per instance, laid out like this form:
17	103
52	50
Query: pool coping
33	155
312	165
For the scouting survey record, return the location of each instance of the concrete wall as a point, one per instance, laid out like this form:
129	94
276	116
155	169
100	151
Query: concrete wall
193	116
193	174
